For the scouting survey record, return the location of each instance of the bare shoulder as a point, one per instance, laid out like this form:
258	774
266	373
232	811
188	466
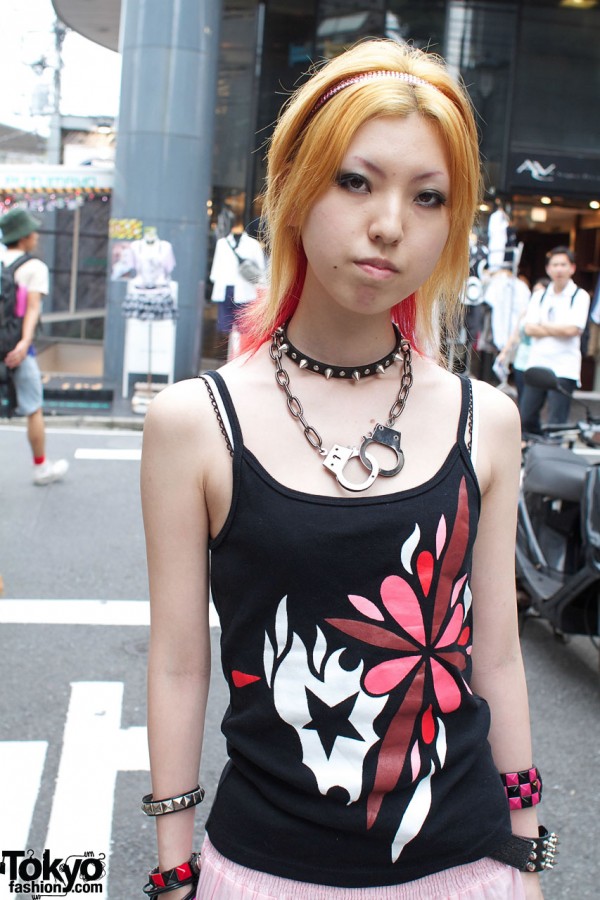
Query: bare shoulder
499	414
181	428
499	439
178	409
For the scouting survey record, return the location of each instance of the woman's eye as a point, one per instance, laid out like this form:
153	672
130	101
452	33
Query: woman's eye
431	198
351	181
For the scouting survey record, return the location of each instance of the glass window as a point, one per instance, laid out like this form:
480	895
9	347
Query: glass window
235	110
422	24
287	54
343	22
479	45
557	83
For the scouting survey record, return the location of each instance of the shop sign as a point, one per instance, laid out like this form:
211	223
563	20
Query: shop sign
41	178
574	174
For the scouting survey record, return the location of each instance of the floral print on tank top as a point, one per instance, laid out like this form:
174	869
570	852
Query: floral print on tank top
421	620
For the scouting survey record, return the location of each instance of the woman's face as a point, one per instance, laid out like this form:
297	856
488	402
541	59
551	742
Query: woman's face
376	234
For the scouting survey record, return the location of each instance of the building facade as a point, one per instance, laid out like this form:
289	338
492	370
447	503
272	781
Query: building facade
531	67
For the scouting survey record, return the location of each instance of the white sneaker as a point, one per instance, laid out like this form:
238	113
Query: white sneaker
47	472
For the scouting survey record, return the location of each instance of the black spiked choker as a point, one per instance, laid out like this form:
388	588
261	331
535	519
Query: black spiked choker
330	371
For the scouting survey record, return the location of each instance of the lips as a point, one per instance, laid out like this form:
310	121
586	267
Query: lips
377	267
376	262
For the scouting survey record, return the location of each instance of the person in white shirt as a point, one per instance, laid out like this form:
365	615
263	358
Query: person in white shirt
230	288
555	320
20	236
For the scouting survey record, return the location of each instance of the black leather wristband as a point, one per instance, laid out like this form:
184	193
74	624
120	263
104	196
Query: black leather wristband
529	854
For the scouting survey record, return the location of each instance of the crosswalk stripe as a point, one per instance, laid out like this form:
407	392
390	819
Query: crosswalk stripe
133	454
93	741
82	612
21	767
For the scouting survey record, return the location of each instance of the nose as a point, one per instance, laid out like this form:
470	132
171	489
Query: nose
387	224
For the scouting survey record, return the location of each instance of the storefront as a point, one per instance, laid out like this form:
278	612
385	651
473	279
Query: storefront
530	67
73	204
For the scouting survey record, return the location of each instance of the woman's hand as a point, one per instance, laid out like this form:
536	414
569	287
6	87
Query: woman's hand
532	886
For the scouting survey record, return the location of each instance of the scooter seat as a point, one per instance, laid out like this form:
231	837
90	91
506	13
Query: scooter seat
554	472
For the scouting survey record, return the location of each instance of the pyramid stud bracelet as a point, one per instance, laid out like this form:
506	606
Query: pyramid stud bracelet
172	804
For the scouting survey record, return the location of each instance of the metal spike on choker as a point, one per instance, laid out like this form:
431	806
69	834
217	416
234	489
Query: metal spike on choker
303	361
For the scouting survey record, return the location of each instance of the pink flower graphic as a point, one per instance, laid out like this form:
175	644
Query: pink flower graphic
427	650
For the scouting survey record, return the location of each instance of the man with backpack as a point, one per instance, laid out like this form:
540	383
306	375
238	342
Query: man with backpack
24	283
555	320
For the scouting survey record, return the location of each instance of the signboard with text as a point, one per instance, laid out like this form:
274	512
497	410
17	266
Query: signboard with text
548	172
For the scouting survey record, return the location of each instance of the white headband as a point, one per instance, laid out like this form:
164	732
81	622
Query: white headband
406	77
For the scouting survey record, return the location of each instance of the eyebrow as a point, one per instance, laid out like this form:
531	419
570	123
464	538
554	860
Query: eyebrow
422	176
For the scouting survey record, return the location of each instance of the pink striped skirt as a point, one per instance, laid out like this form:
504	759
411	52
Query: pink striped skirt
486	879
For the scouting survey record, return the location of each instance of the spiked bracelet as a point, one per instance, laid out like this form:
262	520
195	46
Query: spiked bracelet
179	876
529	854
523	789
172	804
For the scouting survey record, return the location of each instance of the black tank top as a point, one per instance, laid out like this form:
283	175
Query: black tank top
358	752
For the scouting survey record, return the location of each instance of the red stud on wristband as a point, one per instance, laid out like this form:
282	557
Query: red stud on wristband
185	874
176	875
523	789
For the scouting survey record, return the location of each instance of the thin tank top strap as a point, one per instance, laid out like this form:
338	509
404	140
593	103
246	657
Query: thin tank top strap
465	436
224	411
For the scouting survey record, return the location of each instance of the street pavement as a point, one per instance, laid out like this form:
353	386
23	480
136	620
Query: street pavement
74	634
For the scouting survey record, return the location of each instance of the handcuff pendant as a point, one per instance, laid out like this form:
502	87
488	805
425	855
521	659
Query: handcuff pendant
387	437
336	461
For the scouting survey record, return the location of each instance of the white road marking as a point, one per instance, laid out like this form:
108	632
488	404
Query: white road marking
94	749
134	454
93	741
21	768
82	612
75	612
79	430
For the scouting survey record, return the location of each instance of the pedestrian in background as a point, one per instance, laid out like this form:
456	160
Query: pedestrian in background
555	320
516	352
232	289
366	596
20	236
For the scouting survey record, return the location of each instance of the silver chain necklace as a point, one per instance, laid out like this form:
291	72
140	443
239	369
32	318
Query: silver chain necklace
336	459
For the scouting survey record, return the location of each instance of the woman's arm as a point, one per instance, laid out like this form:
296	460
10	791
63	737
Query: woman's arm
176	526
498	673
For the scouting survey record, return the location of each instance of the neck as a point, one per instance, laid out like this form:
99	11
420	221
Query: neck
340	338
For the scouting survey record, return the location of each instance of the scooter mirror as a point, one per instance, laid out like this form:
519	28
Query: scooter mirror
543	378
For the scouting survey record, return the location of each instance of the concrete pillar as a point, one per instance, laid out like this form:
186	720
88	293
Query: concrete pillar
164	154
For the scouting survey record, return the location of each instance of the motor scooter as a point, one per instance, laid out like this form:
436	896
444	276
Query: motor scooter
558	526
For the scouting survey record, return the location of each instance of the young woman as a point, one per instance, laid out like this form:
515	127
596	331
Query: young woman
358	502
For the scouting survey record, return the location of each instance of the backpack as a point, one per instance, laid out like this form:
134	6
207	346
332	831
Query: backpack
10	324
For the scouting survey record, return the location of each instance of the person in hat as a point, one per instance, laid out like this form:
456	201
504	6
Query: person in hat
20	236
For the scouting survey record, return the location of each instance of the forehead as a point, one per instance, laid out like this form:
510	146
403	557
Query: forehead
411	141
560	259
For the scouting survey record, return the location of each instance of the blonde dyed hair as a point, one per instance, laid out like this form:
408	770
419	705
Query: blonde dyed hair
305	155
